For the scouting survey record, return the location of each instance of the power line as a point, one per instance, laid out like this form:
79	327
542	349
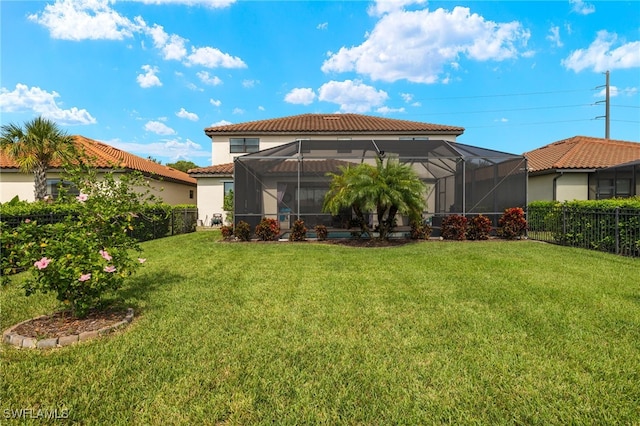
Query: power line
503	95
506	110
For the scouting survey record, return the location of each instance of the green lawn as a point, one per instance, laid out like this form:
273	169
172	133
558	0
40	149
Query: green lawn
297	333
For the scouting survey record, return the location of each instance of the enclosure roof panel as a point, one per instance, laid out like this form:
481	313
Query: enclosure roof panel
582	152
103	156
333	124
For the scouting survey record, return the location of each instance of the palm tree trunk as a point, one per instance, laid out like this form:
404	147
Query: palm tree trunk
40	182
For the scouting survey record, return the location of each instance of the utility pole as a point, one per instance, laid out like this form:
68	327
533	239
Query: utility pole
606	116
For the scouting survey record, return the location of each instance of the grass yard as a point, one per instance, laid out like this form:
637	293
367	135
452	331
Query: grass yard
298	333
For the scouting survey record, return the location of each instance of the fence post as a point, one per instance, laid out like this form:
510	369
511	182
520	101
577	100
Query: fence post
564	225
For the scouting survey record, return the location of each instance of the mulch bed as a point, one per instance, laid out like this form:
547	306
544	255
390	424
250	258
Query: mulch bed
64	324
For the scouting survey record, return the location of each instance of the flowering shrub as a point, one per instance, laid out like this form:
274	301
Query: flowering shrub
479	228
298	231
321	232
268	230
512	223
88	254
454	227
243	231
227	231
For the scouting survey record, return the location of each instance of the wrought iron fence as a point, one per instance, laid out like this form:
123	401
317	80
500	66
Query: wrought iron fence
611	230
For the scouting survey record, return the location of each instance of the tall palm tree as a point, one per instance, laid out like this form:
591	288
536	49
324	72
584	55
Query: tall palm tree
388	189
36	147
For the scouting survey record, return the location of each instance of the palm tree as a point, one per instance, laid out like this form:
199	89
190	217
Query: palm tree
35	148
388	188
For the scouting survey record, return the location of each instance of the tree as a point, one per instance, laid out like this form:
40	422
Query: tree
36	147
183	165
388	189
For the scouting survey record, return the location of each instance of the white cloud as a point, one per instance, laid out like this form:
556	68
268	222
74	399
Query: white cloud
554	36
238	111
183	113
211	57
501	120
172	46
159	128
149	78
24	98
85	19
417	45
352	96
175	149
387	110
301	96
216	4
249	83
615	91
579	6
261	108
215	102
380	7
600	56
208	79
323	26
407	97
220	123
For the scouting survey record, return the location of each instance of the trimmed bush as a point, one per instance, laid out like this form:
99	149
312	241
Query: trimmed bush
243	231
420	230
268	230
512	223
227	231
454	227
479	228
298	231
321	232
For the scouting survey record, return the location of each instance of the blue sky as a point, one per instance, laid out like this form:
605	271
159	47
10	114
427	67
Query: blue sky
148	76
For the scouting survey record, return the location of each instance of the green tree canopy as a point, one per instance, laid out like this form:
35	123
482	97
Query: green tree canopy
183	165
36	147
388	188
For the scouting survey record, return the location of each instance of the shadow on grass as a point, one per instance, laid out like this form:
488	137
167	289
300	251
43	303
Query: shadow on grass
138	291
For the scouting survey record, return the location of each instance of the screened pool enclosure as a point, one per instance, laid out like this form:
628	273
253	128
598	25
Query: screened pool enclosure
289	182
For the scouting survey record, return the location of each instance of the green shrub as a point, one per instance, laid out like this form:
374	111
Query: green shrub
321	232
420	230
268	230
479	228
298	231
242	231
512	224
454	227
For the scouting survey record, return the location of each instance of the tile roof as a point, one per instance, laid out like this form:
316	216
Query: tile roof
334	124
105	156
582	152
225	169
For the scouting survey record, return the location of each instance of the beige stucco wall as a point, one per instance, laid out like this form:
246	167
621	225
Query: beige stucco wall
210	198
220	145
569	186
21	184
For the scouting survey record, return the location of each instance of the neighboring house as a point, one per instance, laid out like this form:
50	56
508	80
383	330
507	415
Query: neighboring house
566	170
231	141
171	185
618	181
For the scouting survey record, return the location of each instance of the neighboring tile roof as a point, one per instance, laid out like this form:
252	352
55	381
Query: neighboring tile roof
219	169
582	152
103	156
334	124
310	166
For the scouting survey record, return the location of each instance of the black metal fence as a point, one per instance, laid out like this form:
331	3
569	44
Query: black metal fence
614	230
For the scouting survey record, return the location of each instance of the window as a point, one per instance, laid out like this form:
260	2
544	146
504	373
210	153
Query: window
55	185
242	145
191	194
228	186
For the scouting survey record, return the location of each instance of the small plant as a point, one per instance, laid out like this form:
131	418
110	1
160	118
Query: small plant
227	231
454	227
227	206
321	232
268	230
243	231
298	231
420	230
512	223
479	228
